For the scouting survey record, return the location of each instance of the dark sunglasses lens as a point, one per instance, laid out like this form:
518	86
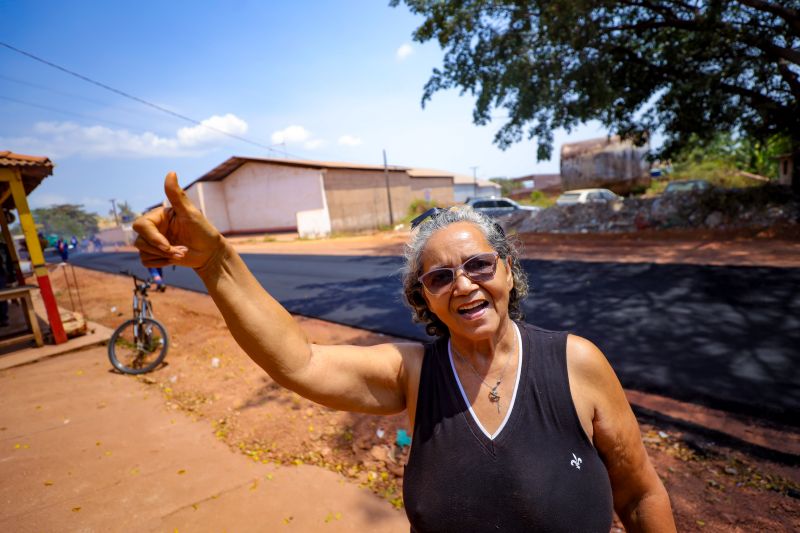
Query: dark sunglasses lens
481	267
437	280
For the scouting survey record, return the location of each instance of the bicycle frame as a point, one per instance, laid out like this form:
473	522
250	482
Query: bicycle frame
142	308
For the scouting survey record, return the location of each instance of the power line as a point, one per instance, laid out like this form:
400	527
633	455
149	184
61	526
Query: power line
63	112
69	95
135	98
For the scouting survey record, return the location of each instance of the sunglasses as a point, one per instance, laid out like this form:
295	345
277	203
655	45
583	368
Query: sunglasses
478	268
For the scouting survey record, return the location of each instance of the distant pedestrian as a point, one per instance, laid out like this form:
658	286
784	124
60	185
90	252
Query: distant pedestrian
73	243
98	244
63	249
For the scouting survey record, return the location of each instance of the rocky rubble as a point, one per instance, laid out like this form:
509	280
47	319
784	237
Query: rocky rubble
722	209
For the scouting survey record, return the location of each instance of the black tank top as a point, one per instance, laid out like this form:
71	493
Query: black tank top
540	473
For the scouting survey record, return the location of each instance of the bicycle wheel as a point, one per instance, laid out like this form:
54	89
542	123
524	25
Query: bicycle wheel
138	346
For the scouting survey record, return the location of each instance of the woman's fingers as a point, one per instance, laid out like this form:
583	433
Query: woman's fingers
150	260
176	252
151	228
147	226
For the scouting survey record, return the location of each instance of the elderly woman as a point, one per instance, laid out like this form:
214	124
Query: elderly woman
515	428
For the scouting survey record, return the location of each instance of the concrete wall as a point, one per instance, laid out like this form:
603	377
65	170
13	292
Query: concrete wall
439	190
215	204
357	199
209	198
265	196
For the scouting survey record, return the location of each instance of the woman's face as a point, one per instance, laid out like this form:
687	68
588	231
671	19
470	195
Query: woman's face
467	308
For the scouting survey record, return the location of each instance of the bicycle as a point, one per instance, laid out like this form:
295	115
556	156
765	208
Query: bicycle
140	344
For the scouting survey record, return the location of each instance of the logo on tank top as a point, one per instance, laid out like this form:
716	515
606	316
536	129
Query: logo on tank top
576	461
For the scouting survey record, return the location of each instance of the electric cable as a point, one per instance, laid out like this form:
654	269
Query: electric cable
63	112
136	98
68	95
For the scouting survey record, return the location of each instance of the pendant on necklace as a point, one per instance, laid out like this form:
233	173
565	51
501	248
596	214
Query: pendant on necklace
493	396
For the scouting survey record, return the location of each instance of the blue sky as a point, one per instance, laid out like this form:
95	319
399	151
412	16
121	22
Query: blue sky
318	80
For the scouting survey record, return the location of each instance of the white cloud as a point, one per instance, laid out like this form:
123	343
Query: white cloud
291	134
349	140
313	144
63	139
404	51
210	128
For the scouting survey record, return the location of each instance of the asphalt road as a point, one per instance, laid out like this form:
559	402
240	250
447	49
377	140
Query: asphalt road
727	337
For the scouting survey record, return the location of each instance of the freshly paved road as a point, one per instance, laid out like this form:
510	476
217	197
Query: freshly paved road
728	337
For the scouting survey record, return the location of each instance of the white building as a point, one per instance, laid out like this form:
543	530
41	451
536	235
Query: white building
314	198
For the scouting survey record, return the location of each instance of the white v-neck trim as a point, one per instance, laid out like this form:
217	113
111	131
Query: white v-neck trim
513	397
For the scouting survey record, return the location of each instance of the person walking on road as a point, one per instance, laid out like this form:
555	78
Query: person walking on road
515	428
63	249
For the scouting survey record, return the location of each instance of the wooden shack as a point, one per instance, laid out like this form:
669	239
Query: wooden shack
608	162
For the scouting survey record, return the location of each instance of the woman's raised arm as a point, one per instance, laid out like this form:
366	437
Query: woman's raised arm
366	379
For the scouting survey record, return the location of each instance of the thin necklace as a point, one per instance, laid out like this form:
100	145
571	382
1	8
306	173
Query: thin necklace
494	396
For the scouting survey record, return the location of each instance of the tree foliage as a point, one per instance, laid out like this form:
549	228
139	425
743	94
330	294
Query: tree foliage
688	68
126	212
66	220
726	157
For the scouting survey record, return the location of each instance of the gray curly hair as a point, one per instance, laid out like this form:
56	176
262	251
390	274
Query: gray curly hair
411	272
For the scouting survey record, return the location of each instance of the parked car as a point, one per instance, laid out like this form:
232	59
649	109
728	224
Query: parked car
686	186
586	196
500	207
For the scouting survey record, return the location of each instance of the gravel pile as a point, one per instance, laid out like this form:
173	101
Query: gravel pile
755	207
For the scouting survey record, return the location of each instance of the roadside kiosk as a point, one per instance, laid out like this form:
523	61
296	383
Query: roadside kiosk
19	176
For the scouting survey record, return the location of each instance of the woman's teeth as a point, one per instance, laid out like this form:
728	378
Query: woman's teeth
473	308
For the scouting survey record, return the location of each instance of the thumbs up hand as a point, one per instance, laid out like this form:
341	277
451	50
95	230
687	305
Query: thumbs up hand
177	235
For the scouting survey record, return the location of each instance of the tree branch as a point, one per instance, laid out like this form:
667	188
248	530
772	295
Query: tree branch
792	16
790	78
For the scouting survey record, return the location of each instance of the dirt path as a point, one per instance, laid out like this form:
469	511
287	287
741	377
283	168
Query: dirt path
777	247
208	377
84	449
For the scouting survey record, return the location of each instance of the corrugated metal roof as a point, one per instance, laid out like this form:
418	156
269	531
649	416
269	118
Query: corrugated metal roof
224	169
590	145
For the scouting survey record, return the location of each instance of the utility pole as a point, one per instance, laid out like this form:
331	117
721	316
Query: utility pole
114	209
388	189
474	181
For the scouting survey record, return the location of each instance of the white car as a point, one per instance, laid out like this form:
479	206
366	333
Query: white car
587	196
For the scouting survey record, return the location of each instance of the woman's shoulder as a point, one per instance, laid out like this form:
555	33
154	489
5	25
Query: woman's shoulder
588	364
